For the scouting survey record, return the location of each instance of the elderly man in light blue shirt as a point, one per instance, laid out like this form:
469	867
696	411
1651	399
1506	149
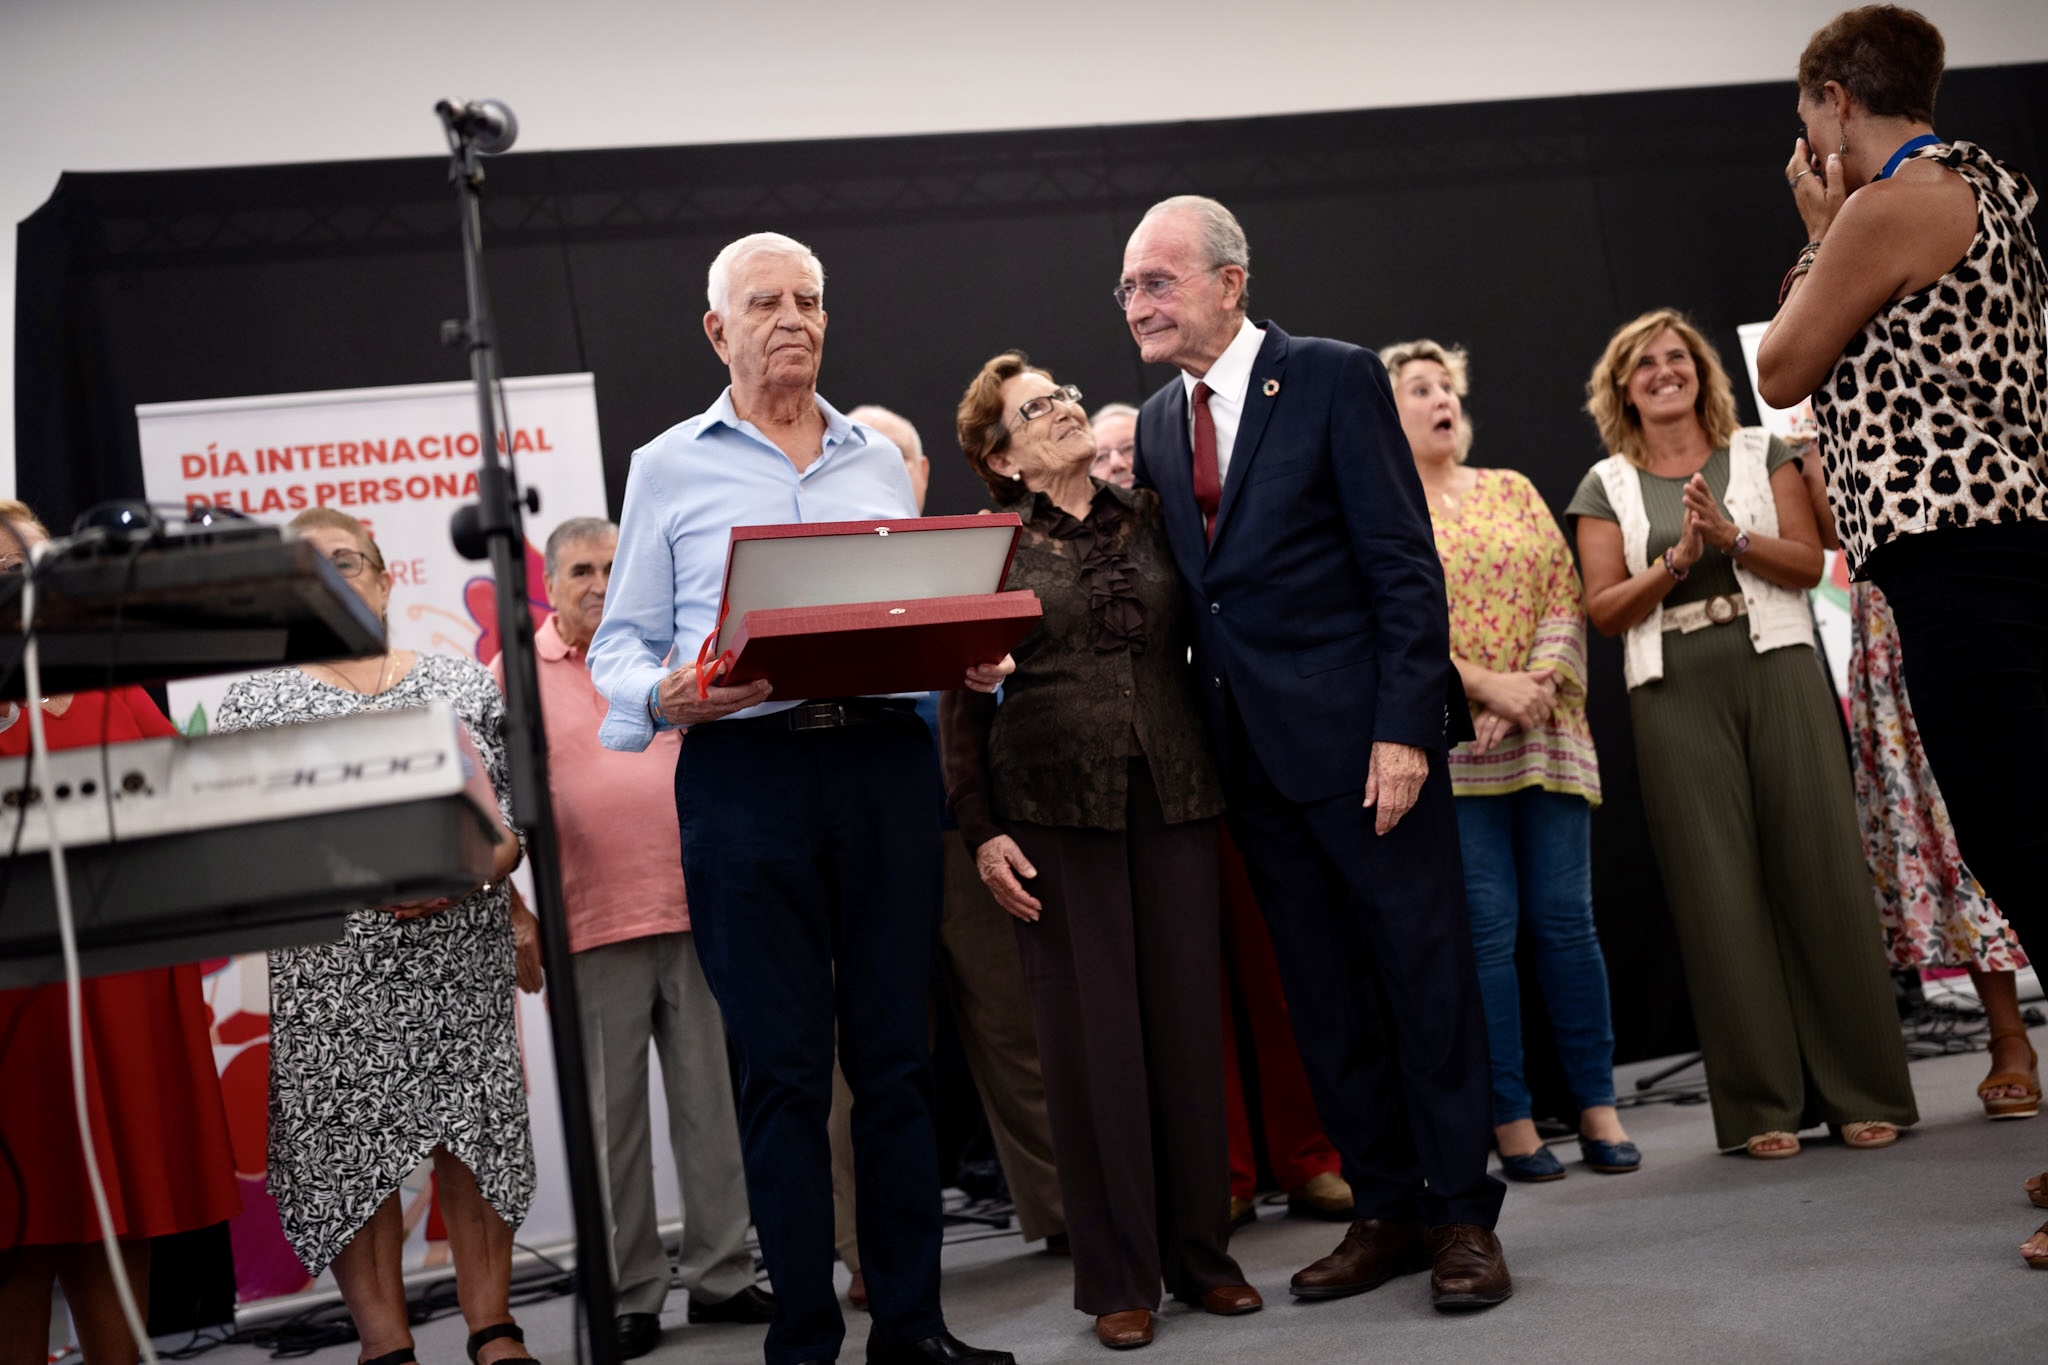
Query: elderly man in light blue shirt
809	851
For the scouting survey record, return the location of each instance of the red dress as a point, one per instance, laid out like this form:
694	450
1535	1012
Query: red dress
159	1128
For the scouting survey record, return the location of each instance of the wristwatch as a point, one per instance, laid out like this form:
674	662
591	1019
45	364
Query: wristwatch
1741	545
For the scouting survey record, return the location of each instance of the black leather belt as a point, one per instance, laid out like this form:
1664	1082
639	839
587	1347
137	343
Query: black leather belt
837	713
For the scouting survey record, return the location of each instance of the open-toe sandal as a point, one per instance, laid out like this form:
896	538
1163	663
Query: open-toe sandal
2006	1106
480	1339
2038	1196
2039	1262
402	1356
1866	1134
1756	1148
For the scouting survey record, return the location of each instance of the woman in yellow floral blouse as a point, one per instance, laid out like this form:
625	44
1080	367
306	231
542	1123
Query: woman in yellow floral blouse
1527	785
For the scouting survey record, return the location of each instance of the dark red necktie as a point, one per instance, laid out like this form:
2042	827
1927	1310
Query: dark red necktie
1208	484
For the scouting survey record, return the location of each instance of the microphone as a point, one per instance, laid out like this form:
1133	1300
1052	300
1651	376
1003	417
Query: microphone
491	124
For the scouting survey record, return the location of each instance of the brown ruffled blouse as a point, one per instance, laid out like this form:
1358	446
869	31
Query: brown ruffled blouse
1103	678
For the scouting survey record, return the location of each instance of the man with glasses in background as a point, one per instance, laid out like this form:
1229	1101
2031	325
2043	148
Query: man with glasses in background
1116	442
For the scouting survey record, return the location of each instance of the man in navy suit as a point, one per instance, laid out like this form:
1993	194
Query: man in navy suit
1322	660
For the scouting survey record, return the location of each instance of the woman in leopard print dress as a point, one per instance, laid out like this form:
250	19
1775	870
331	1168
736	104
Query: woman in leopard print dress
397	1044
1915	319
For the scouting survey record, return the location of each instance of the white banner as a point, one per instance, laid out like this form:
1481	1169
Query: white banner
402	460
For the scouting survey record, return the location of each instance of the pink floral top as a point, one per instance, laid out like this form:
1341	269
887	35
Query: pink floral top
1515	607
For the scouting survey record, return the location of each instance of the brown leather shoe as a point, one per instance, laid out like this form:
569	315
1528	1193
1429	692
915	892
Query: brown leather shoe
1373	1251
1227	1301
1122	1331
1469	1271
1325	1196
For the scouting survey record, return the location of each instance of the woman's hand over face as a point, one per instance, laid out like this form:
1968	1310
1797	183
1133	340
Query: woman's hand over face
1817	187
1000	862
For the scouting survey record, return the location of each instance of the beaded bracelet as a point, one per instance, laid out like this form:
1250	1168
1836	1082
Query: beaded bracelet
1799	267
1673	569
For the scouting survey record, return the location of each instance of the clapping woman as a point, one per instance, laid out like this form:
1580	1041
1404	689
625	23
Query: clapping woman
1697	540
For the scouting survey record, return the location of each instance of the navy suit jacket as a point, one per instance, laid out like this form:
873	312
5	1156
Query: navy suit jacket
1319	604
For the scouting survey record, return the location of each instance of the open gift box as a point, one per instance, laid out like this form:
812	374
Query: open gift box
854	608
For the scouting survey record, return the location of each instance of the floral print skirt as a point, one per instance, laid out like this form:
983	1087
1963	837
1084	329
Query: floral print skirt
1933	911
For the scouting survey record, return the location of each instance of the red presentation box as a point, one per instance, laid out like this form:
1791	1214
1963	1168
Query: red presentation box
853	608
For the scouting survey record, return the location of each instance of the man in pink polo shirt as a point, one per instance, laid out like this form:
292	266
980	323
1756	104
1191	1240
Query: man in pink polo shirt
637	977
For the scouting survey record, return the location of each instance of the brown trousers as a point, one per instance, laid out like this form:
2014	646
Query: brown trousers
1122	969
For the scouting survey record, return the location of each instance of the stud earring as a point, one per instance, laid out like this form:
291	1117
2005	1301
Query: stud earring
1016	477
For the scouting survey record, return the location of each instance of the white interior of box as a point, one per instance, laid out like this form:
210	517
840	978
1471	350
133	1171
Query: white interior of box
829	571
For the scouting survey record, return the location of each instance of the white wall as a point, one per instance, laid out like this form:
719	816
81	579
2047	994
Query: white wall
144	84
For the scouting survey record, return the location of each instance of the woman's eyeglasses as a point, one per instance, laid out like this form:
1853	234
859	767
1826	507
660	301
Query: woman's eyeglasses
1031	409
349	563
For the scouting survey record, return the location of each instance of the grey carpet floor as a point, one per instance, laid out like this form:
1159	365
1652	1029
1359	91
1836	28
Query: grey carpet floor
1906	1254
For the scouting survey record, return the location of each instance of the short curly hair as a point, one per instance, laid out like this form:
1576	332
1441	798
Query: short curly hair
979	419
1889	59
1457	364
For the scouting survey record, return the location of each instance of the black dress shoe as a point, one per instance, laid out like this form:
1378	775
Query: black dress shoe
752	1304
943	1349
637	1334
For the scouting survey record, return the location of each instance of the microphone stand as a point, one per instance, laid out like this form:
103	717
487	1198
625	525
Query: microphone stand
491	527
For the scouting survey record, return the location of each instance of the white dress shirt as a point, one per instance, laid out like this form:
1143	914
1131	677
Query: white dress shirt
1227	380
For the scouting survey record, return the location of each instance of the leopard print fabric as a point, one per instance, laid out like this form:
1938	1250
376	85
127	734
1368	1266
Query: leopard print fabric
1933	418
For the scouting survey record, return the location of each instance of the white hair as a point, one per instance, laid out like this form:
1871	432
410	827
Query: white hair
718	288
1223	240
1109	410
893	425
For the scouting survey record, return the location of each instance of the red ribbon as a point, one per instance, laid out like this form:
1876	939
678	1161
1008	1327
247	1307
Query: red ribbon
718	665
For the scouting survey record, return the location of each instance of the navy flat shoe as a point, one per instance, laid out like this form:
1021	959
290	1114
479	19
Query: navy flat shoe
1610	1158
1534	1169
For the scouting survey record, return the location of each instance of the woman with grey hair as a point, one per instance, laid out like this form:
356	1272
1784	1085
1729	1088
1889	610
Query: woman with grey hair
1527	784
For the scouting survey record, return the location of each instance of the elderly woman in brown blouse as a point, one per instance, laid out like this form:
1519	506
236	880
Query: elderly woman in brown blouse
1090	801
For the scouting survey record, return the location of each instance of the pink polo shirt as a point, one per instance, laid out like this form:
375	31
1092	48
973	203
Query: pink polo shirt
615	812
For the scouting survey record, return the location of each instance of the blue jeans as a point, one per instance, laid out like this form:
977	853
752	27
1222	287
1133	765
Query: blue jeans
1528	861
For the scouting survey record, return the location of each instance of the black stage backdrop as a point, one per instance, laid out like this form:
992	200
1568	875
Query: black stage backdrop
1526	230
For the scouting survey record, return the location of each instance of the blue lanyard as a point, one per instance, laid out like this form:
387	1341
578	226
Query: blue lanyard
1913	145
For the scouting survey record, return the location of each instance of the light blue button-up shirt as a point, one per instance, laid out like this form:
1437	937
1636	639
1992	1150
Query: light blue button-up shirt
686	490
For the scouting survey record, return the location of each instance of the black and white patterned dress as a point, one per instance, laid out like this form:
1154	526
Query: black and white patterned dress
401	1037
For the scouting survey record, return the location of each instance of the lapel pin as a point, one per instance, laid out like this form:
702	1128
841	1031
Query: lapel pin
1272	387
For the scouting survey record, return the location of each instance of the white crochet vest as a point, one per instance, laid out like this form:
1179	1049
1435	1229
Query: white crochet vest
1778	617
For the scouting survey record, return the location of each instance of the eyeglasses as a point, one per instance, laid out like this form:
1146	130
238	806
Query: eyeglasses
1154	287
349	563
1127	450
1031	409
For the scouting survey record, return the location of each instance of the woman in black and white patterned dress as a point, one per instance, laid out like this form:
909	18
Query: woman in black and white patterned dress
398	1042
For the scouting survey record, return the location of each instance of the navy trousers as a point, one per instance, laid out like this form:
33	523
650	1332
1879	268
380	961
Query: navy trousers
813	867
1375	954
